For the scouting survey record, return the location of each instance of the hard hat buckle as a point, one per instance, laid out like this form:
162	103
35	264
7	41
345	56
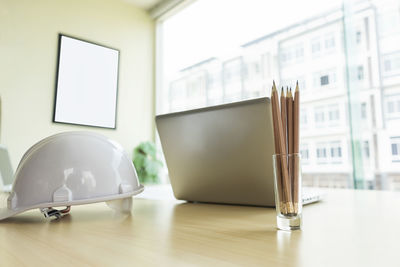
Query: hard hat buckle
51	212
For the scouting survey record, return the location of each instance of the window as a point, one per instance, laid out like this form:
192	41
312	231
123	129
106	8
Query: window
303	117
334	114
336	152
391	64
358	37
315	46
286	55
223	59
304	153
321	153
360	73
324	80
299	51
395	148
387	65
319	116
363	110
330	41
393	106
366	149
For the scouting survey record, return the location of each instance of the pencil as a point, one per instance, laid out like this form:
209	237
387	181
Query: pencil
284	117
282	150
296	145
278	167
289	103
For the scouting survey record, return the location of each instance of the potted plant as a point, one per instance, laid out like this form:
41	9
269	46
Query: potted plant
146	163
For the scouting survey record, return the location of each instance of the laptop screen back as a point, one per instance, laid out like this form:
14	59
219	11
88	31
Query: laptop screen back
221	154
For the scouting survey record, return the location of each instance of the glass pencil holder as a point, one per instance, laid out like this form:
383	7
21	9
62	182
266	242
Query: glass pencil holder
288	198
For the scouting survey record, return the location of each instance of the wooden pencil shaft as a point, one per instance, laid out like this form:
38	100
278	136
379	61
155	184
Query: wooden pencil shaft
275	125
296	121
284	118
282	148
275	109
282	143
290	126
290	133
296	143
278	168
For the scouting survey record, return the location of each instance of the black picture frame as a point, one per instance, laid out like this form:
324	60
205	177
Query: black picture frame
91	70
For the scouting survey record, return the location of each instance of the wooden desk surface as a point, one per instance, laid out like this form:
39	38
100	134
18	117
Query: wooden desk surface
350	228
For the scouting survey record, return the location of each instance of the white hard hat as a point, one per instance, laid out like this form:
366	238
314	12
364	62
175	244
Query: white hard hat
72	168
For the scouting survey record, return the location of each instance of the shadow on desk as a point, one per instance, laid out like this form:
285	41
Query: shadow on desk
79	214
220	230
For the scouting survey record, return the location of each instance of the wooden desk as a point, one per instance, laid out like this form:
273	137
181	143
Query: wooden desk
350	228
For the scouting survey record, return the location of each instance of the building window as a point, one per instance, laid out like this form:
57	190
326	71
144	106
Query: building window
303	117
336	152
387	65
334	114
358	37
315	46
304	152
365	148
321	152
363	110
286	55
299	51
324	80
360	73
329	41
393	106
319	116
395	147
391	64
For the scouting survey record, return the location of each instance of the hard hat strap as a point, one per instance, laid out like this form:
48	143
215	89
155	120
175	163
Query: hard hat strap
51	212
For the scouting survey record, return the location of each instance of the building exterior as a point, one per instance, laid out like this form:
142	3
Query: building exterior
347	62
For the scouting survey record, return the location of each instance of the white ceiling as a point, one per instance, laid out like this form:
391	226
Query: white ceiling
145	4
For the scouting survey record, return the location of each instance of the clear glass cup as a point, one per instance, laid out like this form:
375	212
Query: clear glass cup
288	199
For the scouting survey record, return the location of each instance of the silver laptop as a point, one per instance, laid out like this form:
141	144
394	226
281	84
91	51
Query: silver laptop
6	171
221	154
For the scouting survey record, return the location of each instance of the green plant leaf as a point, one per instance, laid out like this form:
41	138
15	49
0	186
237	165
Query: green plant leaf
146	163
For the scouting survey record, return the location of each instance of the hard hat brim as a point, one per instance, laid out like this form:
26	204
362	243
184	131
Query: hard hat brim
6	212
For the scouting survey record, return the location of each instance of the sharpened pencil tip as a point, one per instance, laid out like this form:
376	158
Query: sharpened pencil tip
289	93
297	86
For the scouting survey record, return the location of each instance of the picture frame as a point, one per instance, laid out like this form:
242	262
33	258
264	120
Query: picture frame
86	88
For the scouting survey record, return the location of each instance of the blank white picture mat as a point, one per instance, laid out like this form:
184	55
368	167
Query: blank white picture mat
87	84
